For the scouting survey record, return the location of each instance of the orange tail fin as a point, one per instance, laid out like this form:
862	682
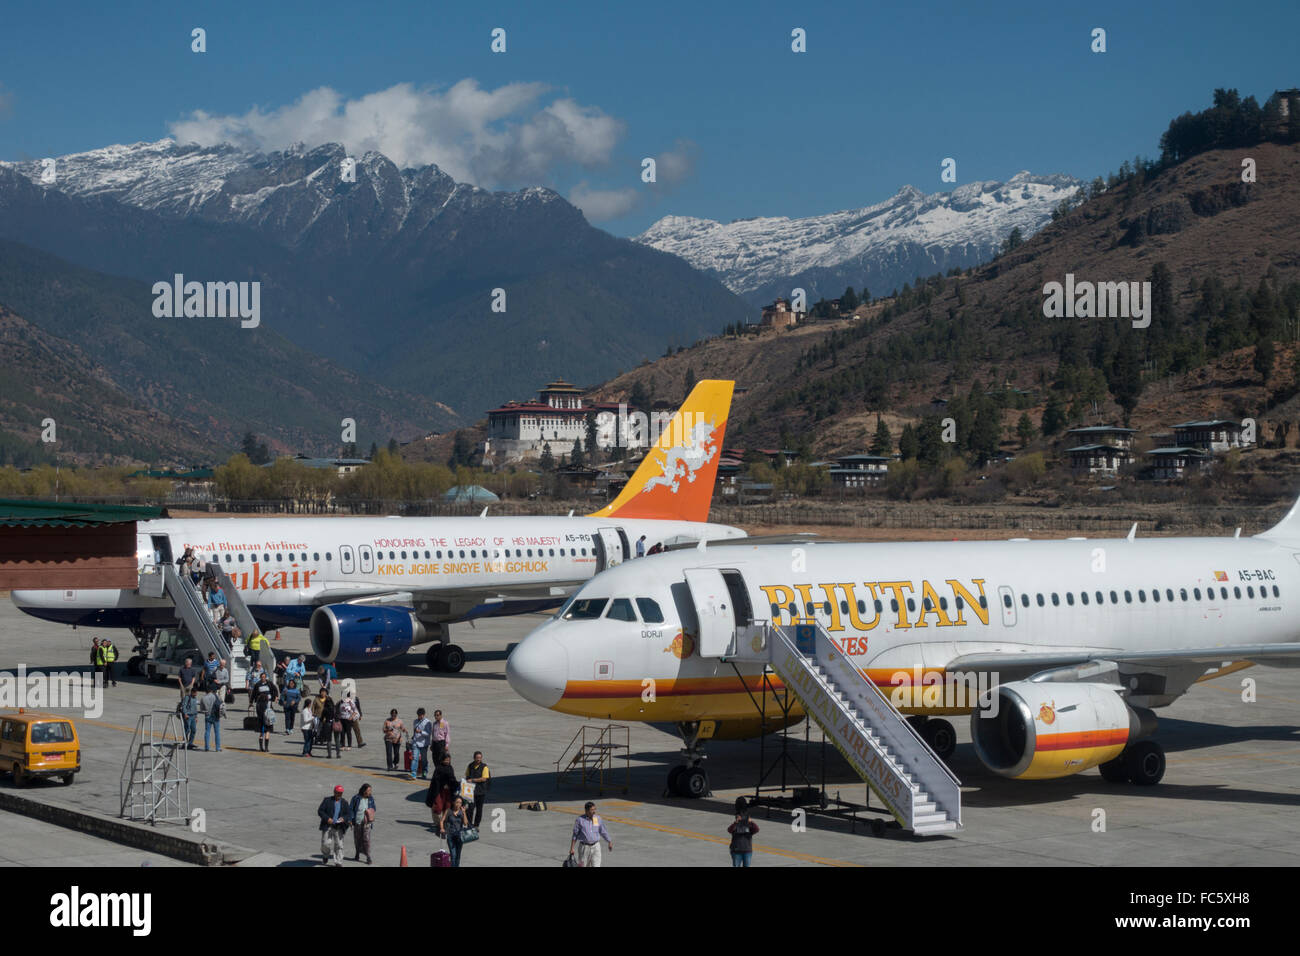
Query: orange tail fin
675	479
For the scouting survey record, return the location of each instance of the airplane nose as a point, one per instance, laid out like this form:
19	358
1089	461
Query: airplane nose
538	668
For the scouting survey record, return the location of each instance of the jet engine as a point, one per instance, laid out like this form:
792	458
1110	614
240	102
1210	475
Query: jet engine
1043	730
357	633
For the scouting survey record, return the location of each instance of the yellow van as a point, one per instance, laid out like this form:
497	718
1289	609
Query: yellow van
33	744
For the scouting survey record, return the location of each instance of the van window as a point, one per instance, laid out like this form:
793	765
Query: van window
54	732
651	614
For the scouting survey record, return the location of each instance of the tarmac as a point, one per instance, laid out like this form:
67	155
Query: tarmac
1228	797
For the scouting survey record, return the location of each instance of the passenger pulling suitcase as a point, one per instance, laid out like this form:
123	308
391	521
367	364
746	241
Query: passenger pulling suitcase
440	858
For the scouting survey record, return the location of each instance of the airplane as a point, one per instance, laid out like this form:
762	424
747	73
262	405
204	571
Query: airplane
368	589
1059	650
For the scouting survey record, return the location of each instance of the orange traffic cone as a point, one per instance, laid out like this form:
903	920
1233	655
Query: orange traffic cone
277	635
403	863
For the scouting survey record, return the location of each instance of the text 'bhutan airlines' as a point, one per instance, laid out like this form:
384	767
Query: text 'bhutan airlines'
370	588
1059	650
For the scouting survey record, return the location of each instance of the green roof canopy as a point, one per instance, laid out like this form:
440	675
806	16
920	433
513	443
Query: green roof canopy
24	513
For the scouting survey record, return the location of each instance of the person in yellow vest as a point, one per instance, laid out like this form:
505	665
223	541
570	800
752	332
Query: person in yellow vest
105	655
255	645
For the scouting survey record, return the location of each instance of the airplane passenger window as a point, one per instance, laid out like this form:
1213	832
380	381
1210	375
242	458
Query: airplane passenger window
1236	592
1250	591
1024	600
844	607
1142	596
879	605
925	602
1169	594
911	605
426	555
793	609
961	604
241	559
315	556
1224	592
584	552
329	556
1056	599
776	611
403	555
943	603
651	614
227	557
620	609
266	559
1006	600
1114	598
552	554
1276	593
1069	598
1128	597
1083	596
1197	592
1101	598
392	556
808	608
462	553
586	609
1182	592
893	605
1041	602
1155	595
984	602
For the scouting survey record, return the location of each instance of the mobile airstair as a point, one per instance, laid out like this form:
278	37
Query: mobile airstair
243	617
878	742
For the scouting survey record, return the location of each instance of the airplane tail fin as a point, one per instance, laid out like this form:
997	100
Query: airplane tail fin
675	479
1288	528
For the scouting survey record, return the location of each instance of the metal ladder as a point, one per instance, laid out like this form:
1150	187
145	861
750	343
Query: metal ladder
191	611
878	742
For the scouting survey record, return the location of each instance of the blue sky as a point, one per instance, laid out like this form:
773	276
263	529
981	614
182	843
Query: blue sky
742	125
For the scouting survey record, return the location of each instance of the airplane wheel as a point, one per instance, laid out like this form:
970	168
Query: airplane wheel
1115	771
693	783
452	658
1146	763
941	737
133	666
431	657
674	778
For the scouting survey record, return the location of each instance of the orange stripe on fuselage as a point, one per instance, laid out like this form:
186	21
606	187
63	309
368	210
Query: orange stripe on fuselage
1081	740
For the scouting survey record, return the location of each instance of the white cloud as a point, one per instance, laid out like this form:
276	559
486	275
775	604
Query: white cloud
674	166
485	137
599	205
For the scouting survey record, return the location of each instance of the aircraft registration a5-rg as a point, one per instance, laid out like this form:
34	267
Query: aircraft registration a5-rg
1059	650
370	588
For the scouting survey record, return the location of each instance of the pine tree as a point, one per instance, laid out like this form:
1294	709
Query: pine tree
849	300
1264	355
1053	416
1025	430
578	459
883	443
908	445
547	461
374	450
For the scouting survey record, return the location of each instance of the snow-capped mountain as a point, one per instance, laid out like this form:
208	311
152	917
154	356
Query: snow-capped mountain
911	234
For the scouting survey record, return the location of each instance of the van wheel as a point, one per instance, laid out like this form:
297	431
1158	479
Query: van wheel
67	779
20	776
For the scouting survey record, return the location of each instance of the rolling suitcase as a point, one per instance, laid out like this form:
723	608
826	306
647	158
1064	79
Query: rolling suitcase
406	759
440	858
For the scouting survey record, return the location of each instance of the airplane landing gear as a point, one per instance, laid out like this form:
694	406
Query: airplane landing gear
689	779
1142	764
448	658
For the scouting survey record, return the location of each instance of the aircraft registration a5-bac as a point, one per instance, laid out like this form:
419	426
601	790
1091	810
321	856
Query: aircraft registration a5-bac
368	589
1059	650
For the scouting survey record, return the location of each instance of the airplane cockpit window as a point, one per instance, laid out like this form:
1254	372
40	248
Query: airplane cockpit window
586	609
651	614
620	609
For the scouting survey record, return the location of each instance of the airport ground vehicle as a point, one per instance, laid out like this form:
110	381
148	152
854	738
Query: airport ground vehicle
34	744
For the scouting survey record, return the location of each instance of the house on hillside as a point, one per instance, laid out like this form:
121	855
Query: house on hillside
1216	435
859	471
1098	459
520	430
780	316
1112	435
1168	464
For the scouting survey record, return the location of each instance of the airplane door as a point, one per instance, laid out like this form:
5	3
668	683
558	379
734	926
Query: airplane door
367	558
713	610
347	561
1008	602
162	548
609	548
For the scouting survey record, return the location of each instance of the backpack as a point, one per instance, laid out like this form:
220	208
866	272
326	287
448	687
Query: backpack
268	716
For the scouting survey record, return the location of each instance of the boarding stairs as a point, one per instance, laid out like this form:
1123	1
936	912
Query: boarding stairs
192	611
878	742
591	756
243	617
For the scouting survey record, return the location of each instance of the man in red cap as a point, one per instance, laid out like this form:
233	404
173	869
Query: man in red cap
335	817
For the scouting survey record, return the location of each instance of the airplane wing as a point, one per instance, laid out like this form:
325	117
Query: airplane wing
1013	662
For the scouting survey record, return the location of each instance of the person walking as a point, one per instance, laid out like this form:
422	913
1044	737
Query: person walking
309	721
327	675
290	699
452	825
221	678
442	788
335	816
421	736
214	708
331	728
363	820
280	673
210	670
588	830
356	718
346	712
95	658
256	675
441	737
185	680
190	716
297	670
394	731
742	832
640	547
216	602
480	776
263	693
254	647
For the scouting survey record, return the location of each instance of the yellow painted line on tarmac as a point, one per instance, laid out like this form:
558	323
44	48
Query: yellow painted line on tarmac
708	838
